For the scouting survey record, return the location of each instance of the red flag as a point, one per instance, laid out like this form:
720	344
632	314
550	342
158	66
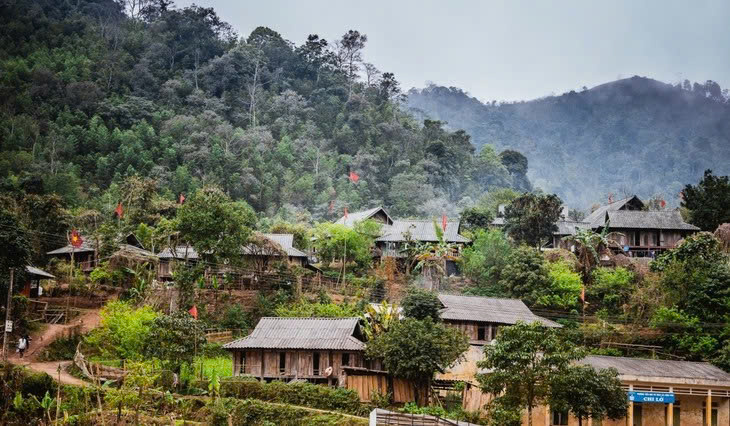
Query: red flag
345	212
610	198
194	311
663	203
181	198
76	239
354	177
443	222
119	211
681	195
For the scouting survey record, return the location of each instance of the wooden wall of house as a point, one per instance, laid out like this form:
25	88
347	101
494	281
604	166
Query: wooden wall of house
471	329
297	363
367	383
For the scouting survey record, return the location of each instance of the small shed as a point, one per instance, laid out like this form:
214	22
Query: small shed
32	287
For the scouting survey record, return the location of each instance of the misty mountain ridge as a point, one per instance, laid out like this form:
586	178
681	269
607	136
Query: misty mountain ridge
634	135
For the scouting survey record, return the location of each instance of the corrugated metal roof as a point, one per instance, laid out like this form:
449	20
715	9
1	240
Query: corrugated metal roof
488	309
38	272
658	368
638	219
352	218
421	230
85	248
302	333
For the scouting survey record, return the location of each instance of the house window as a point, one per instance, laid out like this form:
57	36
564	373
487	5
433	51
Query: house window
282	362
482	332
560	418
345	359
315	364
714	413
677	412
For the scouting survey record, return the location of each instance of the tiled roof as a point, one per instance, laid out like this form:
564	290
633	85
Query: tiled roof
567	227
637	219
488	309
302	333
421	230
179	252
598	217
658	368
38	272
286	241
352	218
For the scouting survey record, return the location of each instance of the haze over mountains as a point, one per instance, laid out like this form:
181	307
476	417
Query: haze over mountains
635	135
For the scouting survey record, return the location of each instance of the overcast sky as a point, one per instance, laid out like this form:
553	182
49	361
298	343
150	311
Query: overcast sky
511	49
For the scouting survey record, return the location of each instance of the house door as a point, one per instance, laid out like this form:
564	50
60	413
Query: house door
637	414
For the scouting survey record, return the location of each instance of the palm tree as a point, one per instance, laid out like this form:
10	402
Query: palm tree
432	257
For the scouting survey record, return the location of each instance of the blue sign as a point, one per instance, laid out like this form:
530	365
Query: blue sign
655	397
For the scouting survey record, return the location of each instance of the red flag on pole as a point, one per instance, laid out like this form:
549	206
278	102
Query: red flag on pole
76	239
663	203
443	222
354	177
194	311
119	211
181	198
345	212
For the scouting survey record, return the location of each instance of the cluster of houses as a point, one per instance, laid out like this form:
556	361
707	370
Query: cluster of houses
638	232
331	351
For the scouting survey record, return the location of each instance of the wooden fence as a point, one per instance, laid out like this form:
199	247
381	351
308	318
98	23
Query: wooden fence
385	417
223	336
367	382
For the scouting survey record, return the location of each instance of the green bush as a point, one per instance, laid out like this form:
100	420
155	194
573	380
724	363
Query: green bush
300	393
305	308
61	349
253	412
610	288
565	286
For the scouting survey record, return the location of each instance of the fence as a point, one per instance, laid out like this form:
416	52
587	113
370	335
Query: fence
385	417
367	382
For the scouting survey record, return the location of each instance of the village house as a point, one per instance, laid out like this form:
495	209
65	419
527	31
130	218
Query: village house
311	349
660	392
84	257
638	232
32	288
259	255
396	235
480	317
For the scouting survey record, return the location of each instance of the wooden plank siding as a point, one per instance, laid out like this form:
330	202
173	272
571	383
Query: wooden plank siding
471	329
367	383
297	364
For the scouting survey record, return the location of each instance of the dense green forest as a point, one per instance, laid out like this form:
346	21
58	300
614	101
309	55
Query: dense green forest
95	91
631	136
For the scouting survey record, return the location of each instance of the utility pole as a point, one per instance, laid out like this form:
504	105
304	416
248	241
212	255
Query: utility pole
7	316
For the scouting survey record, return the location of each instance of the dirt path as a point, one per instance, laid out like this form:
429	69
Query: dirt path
85	322
51	368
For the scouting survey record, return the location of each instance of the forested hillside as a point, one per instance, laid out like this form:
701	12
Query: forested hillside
635	135
92	93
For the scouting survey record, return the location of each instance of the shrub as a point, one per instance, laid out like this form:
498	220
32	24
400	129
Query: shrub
565	286
299	393
63	348
421	304
123	331
308	309
248	412
610	288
